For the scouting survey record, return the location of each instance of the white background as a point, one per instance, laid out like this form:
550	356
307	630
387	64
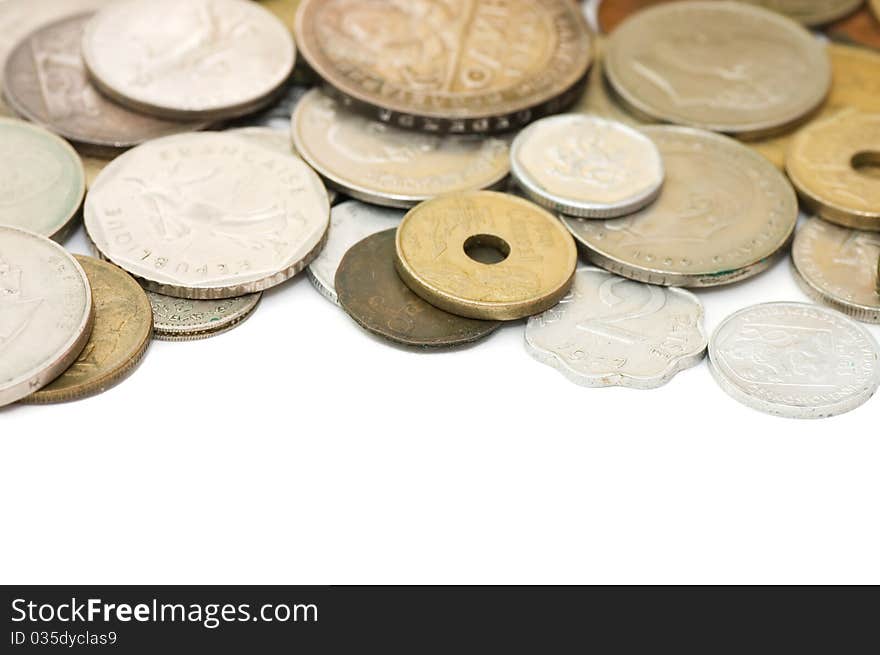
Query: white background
299	449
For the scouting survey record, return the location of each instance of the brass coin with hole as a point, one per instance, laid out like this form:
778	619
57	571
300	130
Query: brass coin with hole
485	255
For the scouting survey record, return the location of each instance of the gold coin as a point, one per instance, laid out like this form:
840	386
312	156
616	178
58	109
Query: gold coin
453	66
875	7
834	165
530	268
123	325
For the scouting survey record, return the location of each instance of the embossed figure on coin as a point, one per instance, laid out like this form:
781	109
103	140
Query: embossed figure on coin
183	319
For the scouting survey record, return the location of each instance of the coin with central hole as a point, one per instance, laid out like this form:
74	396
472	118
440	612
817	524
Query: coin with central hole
835	166
485	255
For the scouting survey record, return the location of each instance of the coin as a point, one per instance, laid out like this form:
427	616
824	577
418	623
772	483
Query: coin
42	182
586	166
535	263
371	292
350	222
795	360
119	339
45	312
861	28
93	167
830	164
455	66
723	213
200	60
47	83
207	215
875	7
277	114
599	99
181	319
722	66
837	266
388	166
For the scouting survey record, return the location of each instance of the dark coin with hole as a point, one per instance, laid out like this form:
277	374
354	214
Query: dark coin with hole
371	292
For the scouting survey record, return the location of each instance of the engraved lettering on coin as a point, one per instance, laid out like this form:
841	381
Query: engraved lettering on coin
182	319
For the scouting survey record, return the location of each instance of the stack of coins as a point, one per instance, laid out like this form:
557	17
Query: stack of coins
438	169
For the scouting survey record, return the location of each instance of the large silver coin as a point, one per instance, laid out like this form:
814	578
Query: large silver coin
350	222
45	312
207	215
182	319
795	360
42	180
609	331
195	60
277	114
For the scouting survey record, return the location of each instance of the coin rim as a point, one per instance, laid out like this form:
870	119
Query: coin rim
179	335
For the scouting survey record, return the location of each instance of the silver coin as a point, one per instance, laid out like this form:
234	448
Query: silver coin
277	114
207	215
181	319
610	331
45	312
795	360
350	222
587	166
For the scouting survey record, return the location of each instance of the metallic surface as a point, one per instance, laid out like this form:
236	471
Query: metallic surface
350	222
181	319
722	66
119	339
45	312
457	66
609	331
599	99
93	167
795	360
207	215
371	292
198	60
534	275
586	166
42	181
277	114
723	214
837	266
388	166
861	28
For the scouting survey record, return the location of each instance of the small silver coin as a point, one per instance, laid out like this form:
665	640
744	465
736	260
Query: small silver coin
350	222
181	319
795	360
45	312
610	331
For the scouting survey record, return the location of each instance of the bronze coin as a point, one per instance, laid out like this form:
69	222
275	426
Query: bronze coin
372	293
861	28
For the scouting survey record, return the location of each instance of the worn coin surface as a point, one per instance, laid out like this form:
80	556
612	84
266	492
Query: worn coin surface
723	213
42	181
833	164
46	82
182	319
372	293
599	98
609	331
120	336
350	222
536	257
586	166
837	266
795	360
453	66
722	66
202	60
207	215
860	28
45	312
385	165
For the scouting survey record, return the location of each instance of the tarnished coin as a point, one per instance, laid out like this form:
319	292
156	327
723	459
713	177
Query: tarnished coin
388	166
350	222
42	181
830	164
586	166
455	66
723	213
371	292
207	215
609	331
535	261
795	360
119	339
182	319
45	312
722	66
837	266
198	60
861	28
